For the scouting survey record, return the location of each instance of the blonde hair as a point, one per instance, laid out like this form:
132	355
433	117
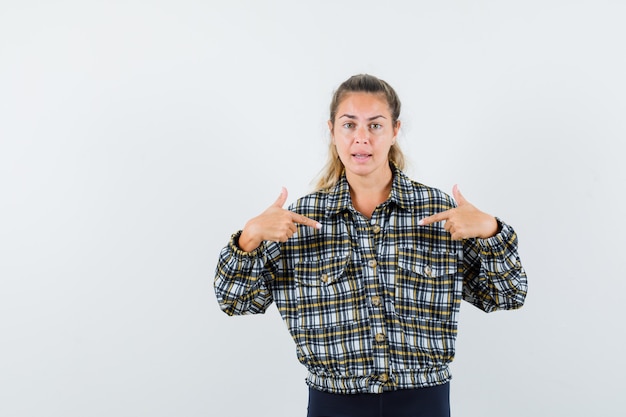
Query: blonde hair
361	83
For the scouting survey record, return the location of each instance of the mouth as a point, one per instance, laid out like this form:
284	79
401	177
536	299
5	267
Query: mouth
361	155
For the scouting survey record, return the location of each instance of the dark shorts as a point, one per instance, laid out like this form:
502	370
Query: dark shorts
419	402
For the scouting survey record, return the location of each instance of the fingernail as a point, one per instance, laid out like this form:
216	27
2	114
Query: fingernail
318	225
421	222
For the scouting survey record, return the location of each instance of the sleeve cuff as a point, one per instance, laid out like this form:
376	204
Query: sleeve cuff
234	246
498	241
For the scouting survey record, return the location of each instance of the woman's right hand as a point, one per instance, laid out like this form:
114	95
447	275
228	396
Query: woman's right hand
274	224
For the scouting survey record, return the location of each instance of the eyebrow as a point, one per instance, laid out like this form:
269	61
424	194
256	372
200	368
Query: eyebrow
349	116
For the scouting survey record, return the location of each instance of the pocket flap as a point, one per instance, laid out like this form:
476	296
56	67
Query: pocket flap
427	263
322	272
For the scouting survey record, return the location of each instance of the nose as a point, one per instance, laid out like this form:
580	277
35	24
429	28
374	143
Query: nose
361	135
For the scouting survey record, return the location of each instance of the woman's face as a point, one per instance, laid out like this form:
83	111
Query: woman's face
363	132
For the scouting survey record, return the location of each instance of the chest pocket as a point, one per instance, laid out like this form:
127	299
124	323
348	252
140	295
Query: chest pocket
427	286
328	293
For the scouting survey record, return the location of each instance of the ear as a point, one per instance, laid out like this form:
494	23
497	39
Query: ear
330	127
396	128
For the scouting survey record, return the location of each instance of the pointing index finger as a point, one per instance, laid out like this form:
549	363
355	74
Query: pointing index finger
300	219
434	218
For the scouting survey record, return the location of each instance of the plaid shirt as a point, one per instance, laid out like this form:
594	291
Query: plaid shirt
372	304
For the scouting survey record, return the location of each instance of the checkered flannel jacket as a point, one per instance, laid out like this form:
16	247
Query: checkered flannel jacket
372	304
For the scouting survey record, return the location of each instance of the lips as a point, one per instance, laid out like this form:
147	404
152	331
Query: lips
361	155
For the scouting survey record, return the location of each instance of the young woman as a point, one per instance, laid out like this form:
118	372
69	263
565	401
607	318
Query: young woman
368	271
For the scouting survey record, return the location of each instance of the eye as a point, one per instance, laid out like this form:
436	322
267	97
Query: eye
376	126
348	125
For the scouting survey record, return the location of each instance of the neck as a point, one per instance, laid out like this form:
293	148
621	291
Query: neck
368	193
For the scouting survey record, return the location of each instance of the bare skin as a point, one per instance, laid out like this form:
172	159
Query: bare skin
465	221
274	224
363	133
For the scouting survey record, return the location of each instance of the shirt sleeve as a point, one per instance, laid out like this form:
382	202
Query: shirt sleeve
242	279
494	277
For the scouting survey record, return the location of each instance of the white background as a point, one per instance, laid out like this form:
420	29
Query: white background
137	136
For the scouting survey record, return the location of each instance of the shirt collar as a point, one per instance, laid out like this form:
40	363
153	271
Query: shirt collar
402	193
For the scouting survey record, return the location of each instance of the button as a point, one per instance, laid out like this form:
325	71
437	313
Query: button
383	377
376	229
380	337
376	301
372	263
324	277
428	271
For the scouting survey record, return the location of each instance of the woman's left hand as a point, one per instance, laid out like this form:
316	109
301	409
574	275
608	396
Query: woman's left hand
464	221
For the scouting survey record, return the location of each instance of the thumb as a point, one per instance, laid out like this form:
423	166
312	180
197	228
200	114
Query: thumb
280	201
460	200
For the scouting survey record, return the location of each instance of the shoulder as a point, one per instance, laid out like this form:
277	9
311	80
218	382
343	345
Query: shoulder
414	193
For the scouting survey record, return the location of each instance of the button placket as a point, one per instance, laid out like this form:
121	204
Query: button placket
368	236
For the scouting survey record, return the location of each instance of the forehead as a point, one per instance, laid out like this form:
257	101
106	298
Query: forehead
363	103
